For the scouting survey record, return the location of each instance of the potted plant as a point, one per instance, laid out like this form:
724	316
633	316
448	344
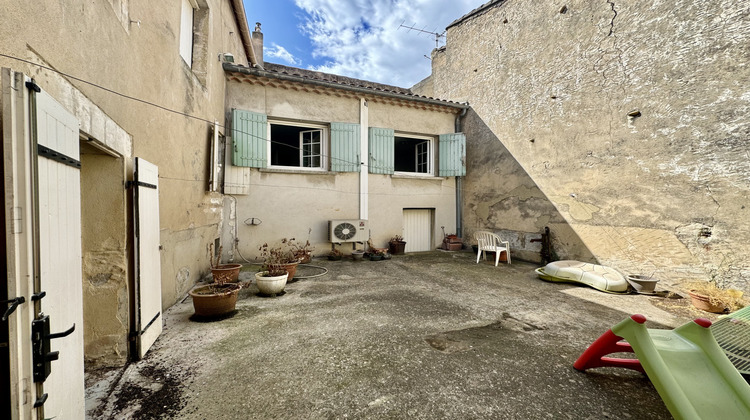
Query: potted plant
397	245
217	298
279	266
303	253
335	255
223	273
707	296
378	254
358	254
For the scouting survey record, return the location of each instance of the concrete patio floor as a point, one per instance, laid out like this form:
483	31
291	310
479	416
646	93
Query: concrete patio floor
422	336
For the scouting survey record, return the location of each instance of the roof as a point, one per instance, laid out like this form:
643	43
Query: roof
328	80
247	43
479	10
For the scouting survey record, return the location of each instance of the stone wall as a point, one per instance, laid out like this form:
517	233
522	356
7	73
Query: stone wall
113	50
631	118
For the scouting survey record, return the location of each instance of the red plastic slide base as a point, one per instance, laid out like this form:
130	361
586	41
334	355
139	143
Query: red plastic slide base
608	343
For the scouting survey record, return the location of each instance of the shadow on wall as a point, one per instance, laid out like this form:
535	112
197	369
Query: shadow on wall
499	196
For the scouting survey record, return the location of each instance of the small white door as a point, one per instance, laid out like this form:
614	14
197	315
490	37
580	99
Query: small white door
418	230
43	194
148	324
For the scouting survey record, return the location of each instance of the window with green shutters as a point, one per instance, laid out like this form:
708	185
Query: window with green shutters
345	144
382	150
452	153
249	139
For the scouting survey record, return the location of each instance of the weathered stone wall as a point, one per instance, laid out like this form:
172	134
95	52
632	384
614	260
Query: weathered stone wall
631	117
132	48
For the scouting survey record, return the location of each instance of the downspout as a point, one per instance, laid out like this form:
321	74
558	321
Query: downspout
363	155
459	183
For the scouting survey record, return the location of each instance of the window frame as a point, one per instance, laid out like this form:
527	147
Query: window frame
430	151
185	41
307	127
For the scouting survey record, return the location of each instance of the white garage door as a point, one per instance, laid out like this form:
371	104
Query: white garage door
418	229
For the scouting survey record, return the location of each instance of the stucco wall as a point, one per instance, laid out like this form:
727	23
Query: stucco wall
631	117
97	43
291	204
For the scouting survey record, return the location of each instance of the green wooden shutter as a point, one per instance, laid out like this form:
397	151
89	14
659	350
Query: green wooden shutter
452	155
345	143
382	149
249	139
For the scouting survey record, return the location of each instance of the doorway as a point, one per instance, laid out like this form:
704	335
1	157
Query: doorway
418	229
4	334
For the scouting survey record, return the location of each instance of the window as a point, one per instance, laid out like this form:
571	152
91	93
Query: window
186	30
297	145
260	143
413	155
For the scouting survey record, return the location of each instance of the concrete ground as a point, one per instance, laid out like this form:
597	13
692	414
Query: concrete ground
421	336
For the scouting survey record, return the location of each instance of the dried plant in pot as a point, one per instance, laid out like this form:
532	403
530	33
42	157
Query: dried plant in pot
335	255
279	266
217	298
223	273
397	245
707	296
303	253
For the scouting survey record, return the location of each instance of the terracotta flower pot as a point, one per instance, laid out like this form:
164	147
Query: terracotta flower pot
214	300
226	273
703	303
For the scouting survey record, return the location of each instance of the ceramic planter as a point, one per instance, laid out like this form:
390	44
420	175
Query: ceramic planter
376	257
214	300
642	284
270	285
291	269
358	255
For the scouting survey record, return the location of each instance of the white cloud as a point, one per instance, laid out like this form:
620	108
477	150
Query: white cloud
277	51
362	39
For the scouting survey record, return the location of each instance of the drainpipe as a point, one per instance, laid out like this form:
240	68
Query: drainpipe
459	183
363	148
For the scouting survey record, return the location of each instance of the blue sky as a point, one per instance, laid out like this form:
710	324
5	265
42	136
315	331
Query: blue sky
356	38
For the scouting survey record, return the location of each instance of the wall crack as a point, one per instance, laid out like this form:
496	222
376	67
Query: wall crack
612	22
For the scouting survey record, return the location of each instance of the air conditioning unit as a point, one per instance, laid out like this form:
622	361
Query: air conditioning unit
340	231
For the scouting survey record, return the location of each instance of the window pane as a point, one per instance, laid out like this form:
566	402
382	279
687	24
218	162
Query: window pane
412	155
296	146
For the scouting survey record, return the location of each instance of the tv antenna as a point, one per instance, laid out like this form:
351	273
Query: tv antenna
434	32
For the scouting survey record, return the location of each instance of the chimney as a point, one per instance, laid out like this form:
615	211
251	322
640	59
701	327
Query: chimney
258	44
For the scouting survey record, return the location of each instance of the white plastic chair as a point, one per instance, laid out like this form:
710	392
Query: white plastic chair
488	241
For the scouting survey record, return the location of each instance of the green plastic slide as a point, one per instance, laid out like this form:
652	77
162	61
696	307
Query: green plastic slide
693	376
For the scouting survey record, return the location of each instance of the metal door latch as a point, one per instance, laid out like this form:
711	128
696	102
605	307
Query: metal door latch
13	305
40	341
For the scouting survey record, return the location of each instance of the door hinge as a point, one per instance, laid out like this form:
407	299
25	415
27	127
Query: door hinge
13	305
139	184
31	85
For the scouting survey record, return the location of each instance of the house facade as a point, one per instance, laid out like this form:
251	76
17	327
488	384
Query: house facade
630	119
110	112
307	149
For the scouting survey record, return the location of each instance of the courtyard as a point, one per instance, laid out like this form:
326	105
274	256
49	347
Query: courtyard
426	335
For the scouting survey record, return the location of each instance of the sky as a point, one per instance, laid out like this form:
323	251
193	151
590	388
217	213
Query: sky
356	38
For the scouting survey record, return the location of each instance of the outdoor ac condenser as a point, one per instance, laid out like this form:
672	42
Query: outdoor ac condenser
354	230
